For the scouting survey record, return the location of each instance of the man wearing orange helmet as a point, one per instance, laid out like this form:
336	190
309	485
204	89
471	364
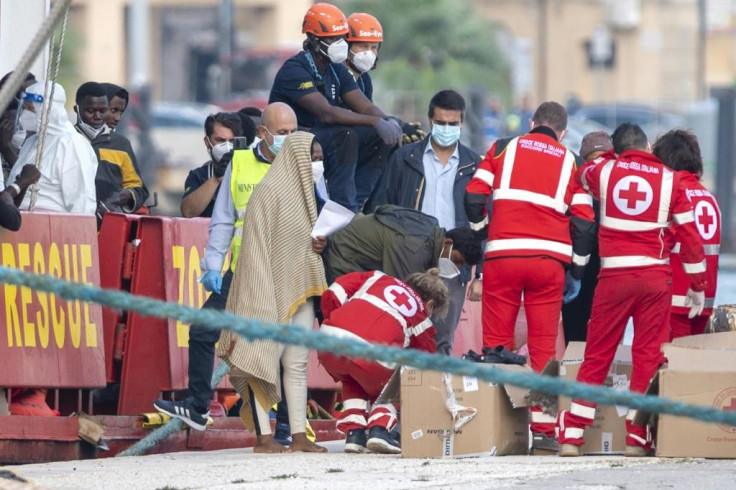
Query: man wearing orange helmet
365	35
356	135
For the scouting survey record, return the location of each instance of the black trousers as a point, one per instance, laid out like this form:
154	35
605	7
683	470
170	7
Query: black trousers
576	313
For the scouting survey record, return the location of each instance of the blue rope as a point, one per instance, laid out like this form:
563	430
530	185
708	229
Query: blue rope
254	329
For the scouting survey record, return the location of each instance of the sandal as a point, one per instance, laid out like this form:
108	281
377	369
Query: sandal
501	355
473	356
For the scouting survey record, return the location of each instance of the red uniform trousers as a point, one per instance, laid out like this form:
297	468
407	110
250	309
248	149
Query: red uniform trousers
362	382
645	295
542	280
682	326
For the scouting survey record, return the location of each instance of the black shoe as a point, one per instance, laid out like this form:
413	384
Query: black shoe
543	442
396	433
380	441
500	355
473	356
282	434
355	441
183	410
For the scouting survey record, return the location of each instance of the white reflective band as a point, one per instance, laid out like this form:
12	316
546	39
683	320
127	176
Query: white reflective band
530	197
508	164
665	194
582	411
339	292
708	249
637	438
543	418
345	334
370	282
574	433
568	166
678	300
581	200
382	305
696	268
631	261
479	226
485	176
419	329
354	404
238	232
352	419
580	259
631	414
682	218
631	225
529	244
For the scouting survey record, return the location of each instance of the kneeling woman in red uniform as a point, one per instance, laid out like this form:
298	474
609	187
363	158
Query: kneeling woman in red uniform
376	308
679	150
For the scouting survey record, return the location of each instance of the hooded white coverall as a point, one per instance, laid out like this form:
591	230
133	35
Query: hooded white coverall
68	165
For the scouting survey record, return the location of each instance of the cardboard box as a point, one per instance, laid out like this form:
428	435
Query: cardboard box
607	435
702	371
446	416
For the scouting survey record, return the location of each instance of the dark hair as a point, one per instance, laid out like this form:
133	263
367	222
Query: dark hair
228	119
89	89
679	150
552	115
248	126
251	111
448	100
629	136
113	90
13	105
466	241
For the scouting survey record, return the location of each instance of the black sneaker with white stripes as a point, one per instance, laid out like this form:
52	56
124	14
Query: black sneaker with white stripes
183	410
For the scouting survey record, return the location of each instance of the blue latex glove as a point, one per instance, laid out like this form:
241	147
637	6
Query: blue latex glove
212	281
572	288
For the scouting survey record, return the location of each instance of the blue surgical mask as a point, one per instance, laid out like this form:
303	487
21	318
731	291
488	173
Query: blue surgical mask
278	142
445	135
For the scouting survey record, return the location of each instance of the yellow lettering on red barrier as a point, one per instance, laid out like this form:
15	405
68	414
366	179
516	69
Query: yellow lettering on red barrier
90	329
188	270
73	307
57	316
182	331
29	328
42	321
12	322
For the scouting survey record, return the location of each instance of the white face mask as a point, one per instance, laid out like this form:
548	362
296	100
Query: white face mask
218	151
364	60
91	132
447	267
337	52
318	170
28	120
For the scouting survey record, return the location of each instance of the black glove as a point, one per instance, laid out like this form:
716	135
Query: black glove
389	131
413	132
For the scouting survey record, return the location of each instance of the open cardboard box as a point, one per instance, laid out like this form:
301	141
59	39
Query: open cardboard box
445	415
701	370
607	435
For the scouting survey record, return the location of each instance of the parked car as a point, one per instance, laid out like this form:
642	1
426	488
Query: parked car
577	128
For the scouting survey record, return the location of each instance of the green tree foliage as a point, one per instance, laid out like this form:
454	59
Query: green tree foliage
435	44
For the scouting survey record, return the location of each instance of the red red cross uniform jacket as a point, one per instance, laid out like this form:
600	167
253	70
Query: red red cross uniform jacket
639	199
377	308
708	225
538	208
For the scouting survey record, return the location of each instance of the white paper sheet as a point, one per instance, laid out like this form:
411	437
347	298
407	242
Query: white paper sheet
333	217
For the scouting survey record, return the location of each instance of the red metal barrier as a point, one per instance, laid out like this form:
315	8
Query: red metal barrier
47	341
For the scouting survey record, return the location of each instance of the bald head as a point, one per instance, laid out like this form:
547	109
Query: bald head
277	122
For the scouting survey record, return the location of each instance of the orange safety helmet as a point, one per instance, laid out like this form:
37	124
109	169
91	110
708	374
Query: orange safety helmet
325	20
364	28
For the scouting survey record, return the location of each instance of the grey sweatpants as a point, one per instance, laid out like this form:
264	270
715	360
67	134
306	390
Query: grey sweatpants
446	326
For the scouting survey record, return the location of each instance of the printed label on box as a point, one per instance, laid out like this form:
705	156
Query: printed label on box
448	446
607	442
470	383
620	383
417	434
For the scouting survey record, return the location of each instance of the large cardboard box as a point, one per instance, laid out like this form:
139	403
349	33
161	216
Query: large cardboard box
446	416
607	435
702	371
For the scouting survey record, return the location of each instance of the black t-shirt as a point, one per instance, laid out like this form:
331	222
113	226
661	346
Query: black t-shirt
365	84
196	178
297	78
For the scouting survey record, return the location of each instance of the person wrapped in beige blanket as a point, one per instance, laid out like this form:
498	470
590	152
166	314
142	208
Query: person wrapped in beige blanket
275	279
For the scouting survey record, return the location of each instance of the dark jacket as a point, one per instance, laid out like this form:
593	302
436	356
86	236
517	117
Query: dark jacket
395	240
403	181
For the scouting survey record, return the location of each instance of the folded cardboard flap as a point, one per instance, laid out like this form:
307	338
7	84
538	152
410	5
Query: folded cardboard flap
695	358
516	394
711	341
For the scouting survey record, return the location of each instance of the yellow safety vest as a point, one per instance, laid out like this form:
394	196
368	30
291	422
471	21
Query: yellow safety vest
247	171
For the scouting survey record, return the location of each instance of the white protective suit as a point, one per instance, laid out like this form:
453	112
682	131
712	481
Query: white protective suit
68	165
